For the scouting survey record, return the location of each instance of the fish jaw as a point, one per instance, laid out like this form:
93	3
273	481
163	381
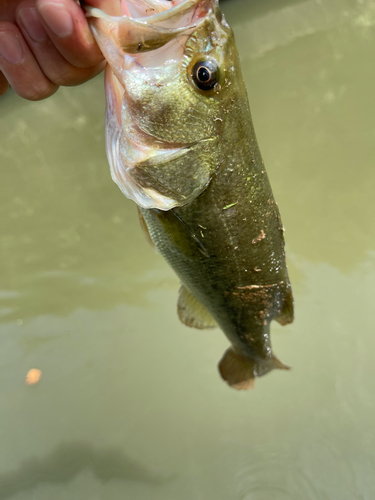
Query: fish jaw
141	50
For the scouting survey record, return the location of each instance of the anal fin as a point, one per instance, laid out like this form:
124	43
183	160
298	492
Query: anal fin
192	313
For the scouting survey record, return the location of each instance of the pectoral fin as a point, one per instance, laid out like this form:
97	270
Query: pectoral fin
146	231
179	233
192	313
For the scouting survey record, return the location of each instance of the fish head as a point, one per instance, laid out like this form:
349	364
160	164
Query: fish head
170	80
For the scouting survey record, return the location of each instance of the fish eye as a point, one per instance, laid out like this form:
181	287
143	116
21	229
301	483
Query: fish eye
206	74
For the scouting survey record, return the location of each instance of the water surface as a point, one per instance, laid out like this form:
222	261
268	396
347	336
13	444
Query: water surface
130	404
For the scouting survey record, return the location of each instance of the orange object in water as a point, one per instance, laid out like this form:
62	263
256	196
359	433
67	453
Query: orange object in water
33	376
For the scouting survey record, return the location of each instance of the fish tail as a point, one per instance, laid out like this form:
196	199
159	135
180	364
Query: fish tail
239	371
279	364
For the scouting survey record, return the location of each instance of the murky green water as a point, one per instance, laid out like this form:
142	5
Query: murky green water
130	405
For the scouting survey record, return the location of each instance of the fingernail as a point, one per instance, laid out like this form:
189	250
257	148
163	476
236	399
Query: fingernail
31	22
57	18
10	47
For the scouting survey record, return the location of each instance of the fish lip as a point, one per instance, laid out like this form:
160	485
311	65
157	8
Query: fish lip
172	12
154	19
98	13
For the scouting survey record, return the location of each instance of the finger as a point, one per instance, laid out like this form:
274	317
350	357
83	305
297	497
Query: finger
20	67
57	69
4	85
67	27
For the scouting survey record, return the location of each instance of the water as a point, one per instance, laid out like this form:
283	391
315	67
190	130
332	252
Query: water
130	404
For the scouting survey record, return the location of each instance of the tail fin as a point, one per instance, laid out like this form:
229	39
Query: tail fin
240	371
278	364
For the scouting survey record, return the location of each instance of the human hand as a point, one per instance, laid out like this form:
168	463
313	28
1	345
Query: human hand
45	44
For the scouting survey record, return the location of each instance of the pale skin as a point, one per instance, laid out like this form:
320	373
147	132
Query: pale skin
45	44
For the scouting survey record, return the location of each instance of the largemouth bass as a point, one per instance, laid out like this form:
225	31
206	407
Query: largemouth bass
181	144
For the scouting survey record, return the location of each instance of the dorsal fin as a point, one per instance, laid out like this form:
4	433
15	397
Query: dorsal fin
192	313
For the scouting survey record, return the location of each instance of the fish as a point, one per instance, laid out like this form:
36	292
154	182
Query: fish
181	143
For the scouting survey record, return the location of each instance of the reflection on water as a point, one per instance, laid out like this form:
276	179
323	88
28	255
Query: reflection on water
84	298
69	460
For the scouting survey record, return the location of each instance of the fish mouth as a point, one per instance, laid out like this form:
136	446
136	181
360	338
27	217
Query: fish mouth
139	26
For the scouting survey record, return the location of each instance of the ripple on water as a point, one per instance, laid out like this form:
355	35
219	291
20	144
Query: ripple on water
275	476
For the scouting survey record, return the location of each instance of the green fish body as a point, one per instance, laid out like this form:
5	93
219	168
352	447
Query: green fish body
181	143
